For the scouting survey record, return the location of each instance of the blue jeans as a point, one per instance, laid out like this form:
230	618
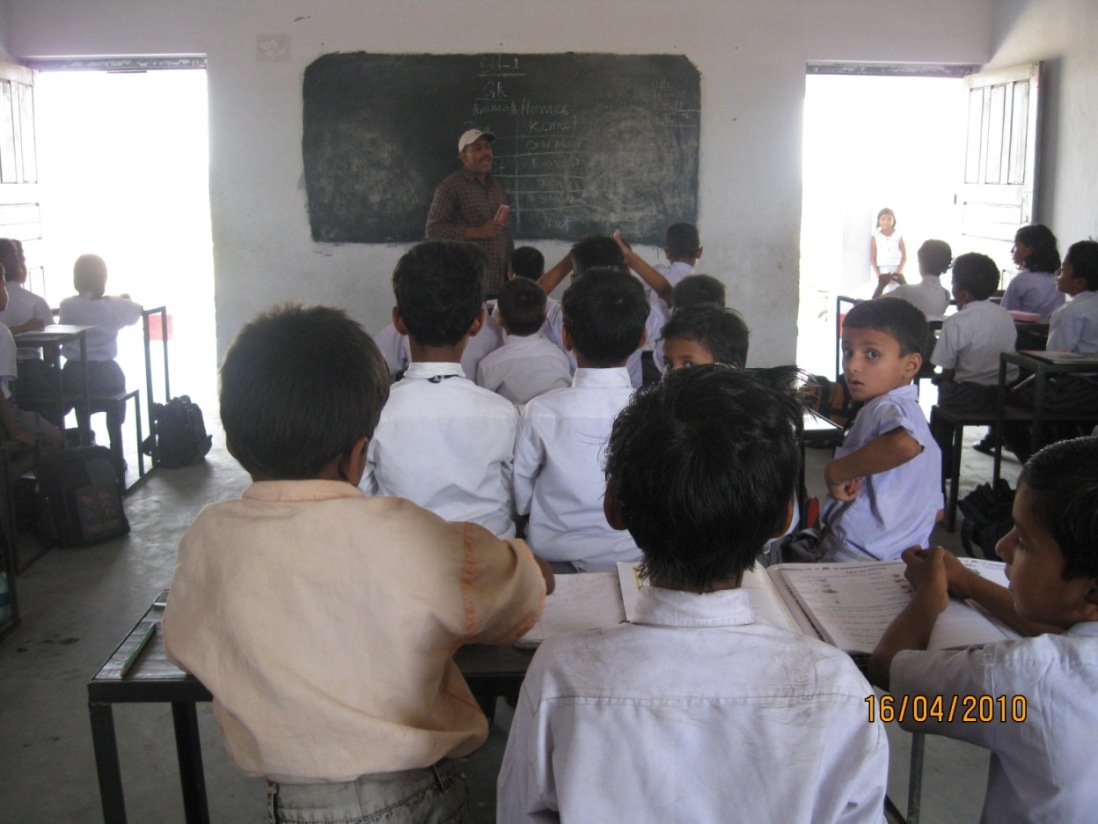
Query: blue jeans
432	795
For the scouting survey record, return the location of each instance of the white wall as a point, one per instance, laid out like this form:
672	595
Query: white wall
1064	35
751	56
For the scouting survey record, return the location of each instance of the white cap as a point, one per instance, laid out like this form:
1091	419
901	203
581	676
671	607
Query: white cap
472	136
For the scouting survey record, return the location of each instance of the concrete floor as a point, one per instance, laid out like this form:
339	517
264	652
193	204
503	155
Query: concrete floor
78	603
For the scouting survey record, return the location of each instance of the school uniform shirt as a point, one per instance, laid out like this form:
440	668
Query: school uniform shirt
24	305
324	622
972	340
895	509
107	315
446	444
1074	326
558	475
660	311
524	367
1042	767
1033	292
928	295
696	712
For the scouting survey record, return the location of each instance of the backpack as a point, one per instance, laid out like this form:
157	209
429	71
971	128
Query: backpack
179	434
987	517
79	497
831	399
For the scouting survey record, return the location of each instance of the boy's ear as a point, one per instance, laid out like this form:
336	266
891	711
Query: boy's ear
698	253
352	465
477	323
912	364
644	338
787	521
398	322
612	510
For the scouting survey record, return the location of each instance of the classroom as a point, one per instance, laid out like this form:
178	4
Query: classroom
752	58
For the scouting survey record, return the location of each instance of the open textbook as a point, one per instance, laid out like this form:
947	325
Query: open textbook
848	605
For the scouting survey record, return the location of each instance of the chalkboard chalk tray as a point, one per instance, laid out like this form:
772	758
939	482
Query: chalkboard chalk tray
585	142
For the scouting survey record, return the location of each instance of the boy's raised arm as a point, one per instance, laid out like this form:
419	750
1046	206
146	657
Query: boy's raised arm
883	453
553	277
660	285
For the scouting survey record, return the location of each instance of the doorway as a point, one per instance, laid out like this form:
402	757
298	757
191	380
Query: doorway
124	173
870	142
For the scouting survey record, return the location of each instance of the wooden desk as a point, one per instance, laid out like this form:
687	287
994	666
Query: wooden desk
50	340
154	679
1041	365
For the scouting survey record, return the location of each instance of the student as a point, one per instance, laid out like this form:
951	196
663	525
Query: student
26	427
602	252
323	621
885	482
928	294
971	341
887	250
443	442
1033	289
557	474
27	312
107	315
698	711
1041	689
527	365
693	290
698	335
527	262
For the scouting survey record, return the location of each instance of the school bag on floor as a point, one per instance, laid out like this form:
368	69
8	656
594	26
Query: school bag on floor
178	434
987	512
79	497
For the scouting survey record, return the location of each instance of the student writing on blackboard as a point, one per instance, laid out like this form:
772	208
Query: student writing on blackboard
471	205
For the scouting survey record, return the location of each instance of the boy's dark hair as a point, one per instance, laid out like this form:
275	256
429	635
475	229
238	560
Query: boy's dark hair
299	386
1045	256
898	318
693	290
702	466
1083	257
721	331
934	257
527	262
605	312
522	304
977	274
682	240
592	251
89	274
9	260
439	289
1063	479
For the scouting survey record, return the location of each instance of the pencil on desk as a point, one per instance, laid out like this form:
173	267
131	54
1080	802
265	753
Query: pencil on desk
127	665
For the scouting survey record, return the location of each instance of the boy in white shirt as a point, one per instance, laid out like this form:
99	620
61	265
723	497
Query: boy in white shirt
527	365
1033	699
928	294
558	472
697	711
107	315
444	442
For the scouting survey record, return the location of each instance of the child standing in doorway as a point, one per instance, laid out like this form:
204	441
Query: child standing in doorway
887	252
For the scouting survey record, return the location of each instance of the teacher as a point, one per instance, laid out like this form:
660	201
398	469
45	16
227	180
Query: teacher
466	206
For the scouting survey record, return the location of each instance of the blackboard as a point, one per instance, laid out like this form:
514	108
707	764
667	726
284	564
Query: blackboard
584	142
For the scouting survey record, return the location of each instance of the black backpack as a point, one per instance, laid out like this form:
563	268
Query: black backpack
987	517
79	497
179	434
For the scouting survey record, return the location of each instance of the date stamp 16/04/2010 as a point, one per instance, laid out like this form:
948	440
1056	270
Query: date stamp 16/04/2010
966	709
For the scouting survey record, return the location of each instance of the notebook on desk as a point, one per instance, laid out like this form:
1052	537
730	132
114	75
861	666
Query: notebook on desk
848	605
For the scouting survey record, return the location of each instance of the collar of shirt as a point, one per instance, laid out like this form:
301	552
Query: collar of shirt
305	490
472	178
1083	296
908	390
675	608
1084	629
433	369
614	376
520	340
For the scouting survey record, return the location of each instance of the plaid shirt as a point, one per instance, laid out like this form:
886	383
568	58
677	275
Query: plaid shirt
462	201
